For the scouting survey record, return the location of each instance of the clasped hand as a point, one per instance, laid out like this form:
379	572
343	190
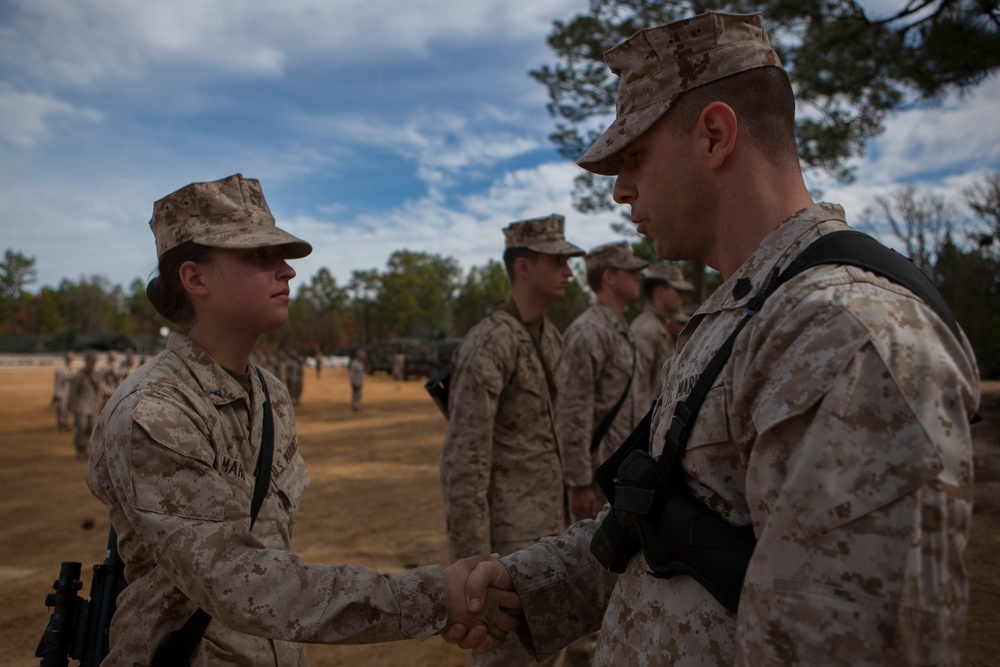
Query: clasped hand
482	605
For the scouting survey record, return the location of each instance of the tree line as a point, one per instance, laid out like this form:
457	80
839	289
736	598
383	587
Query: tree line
956	242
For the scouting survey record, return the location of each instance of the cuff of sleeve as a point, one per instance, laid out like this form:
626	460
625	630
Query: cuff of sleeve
421	593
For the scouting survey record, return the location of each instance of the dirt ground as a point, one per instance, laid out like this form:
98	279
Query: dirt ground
374	501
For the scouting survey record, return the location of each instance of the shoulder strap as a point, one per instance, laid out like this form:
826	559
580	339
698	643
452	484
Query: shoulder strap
262	471
180	646
605	425
842	247
857	249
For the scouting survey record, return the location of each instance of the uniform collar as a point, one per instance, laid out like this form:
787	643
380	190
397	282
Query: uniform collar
775	251
210	376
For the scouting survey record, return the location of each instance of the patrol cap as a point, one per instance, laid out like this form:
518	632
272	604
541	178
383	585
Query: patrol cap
229	213
543	235
656	65
672	275
614	256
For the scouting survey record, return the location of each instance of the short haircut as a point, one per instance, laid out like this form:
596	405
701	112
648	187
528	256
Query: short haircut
649	286
511	255
595	277
763	101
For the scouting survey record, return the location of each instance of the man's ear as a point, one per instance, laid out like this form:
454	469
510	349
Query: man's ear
717	128
192	278
521	267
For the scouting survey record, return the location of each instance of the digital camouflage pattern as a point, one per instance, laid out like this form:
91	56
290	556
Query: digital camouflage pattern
500	462
597	365
173	458
84	395
501	472
616	255
545	235
653	346
839	429
228	213
656	65
671	275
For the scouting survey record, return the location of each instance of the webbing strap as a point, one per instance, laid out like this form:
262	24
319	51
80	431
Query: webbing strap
841	247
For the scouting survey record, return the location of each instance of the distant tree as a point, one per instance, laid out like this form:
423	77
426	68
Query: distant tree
922	222
969	281
43	315
17	271
363	289
485	286
144	318
416	294
849	68
89	306
984	200
316	313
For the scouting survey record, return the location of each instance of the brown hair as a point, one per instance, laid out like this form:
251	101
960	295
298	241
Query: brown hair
165	290
511	255
763	101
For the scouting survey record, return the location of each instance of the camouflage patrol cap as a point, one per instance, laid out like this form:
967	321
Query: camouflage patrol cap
543	235
229	213
656	65
672	275
614	256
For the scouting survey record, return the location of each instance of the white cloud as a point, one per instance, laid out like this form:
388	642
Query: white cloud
470	231
87	42
24	116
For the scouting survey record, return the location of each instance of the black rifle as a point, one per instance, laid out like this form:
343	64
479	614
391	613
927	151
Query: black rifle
78	628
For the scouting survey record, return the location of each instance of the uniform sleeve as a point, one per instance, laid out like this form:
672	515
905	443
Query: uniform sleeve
583	359
467	450
189	519
563	588
859	485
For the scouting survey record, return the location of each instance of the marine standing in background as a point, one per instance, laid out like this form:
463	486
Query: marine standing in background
664	288
356	375
598	385
294	376
108	378
60	391
84	402
501	474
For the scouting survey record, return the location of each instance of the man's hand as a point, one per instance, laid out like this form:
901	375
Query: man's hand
583	501
482	622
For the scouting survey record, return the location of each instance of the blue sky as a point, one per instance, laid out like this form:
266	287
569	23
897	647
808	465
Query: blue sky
373	126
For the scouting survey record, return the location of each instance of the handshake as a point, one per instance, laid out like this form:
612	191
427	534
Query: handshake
482	605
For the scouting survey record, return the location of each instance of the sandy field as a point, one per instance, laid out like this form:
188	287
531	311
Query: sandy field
374	501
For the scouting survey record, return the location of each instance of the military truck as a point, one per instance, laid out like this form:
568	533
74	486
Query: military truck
422	356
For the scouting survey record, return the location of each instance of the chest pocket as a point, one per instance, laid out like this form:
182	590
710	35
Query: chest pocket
712	425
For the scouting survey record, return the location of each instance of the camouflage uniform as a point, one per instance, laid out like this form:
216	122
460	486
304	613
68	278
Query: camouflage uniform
653	346
356	375
294	376
84	402
500	458
173	458
839	430
501	472
60	393
599	368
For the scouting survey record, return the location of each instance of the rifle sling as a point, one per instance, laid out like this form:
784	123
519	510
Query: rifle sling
182	643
